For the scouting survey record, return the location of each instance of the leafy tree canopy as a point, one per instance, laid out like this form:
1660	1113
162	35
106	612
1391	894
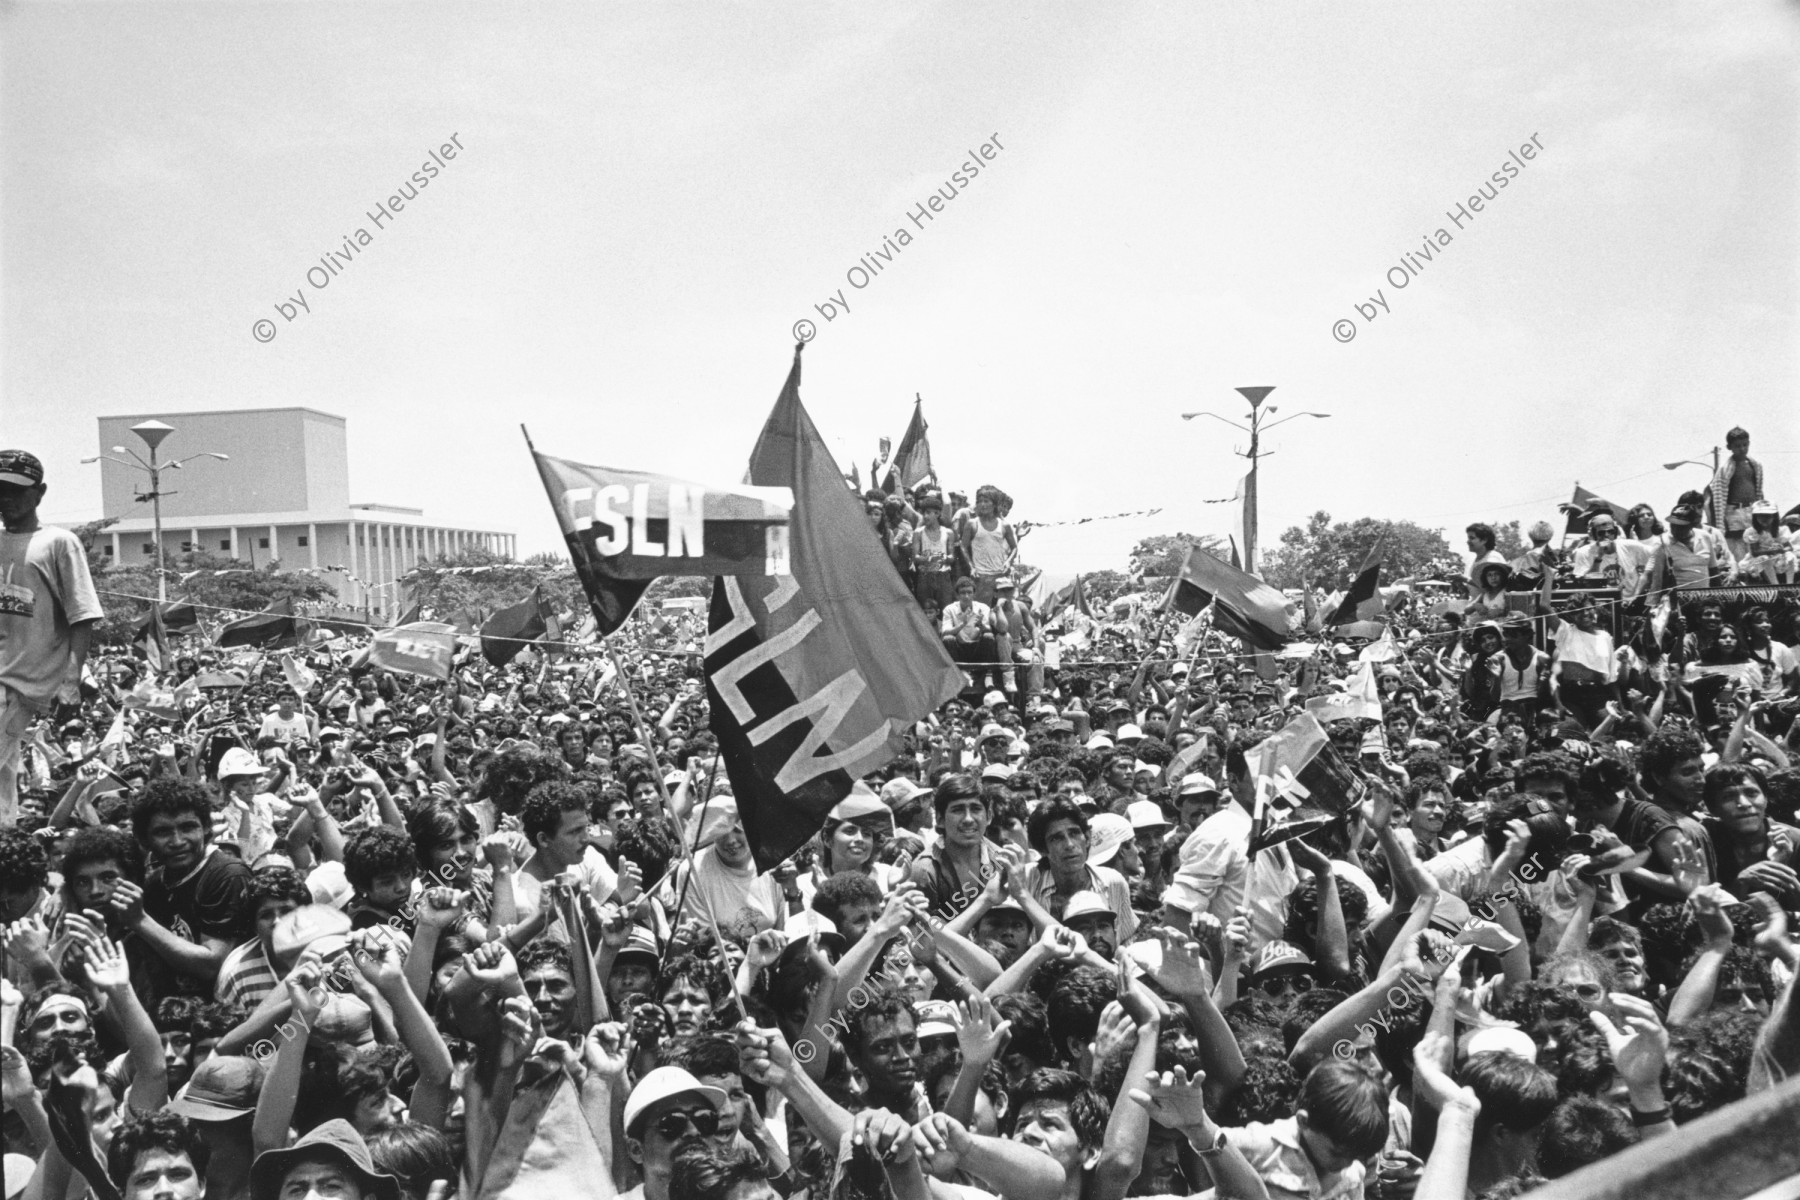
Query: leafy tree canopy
1327	555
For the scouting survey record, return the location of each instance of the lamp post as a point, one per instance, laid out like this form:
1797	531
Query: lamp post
1694	462
1258	417
153	432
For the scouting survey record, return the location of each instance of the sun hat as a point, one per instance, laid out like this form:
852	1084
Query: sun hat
307	924
1100	742
335	1141
996	771
1144	814
935	1019
665	1083
858	804
1129	733
1106	833
239	761
329	885
1086	904
222	1088
721	814
993	730
898	791
992	698
1196	784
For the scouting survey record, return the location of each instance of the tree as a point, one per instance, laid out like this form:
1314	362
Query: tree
1103	587
211	582
1162	554
1508	540
1327	555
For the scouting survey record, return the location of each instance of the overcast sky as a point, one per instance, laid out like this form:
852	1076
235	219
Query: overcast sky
1185	199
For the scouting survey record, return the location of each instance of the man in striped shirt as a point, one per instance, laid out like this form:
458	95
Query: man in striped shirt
250	972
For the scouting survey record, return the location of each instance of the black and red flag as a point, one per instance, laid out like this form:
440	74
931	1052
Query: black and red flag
1243	605
814	677
1363	601
272	626
507	631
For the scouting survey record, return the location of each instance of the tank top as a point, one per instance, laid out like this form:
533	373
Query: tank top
988	551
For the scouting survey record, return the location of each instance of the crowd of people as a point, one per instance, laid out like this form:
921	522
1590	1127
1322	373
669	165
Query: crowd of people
280	924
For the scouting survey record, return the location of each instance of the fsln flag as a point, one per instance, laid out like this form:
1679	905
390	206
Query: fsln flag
506	632
814	677
1583	504
1359	699
1243	606
153	640
645	526
1363	601
912	462
1302	783
422	648
272	625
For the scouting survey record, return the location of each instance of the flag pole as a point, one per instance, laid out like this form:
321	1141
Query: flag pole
662	790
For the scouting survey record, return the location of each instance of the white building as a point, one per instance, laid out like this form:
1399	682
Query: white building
283	495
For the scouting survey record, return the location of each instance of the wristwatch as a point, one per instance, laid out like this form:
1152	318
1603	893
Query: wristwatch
1213	1151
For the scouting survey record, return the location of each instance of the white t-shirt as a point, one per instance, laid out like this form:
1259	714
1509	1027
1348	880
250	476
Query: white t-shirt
44	589
285	731
528	891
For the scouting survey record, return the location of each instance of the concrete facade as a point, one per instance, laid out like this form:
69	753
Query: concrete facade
283	496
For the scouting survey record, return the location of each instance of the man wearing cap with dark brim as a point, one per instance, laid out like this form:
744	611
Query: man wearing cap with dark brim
633	969
1283	972
331	1160
668	1113
1088	916
993	743
48	611
222	1094
1689	557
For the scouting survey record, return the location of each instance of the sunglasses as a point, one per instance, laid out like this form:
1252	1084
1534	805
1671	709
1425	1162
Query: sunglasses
1282	984
1601	531
673	1125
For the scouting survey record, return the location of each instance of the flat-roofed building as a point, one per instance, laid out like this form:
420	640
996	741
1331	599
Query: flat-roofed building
282	495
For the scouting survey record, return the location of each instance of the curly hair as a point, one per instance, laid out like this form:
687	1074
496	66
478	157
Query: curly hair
547	803
1038	827
164	1131
101	843
1699	1078
1269	1092
1303	911
649	842
546	952
275	883
1088	1109
703	971
171	798
1579	1131
1074	1008
372	853
842	890
511	774
1663	749
708	1174
1030	1018
885	1002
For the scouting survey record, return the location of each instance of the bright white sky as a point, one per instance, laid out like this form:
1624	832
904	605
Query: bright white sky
1187	198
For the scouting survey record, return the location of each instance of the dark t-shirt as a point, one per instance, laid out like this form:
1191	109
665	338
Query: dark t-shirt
209	903
1640	823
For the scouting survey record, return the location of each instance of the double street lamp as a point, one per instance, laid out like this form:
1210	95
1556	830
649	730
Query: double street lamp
153	433
1258	423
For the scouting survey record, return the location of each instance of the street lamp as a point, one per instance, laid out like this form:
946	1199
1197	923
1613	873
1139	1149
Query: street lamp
1255	395
153	433
1694	462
